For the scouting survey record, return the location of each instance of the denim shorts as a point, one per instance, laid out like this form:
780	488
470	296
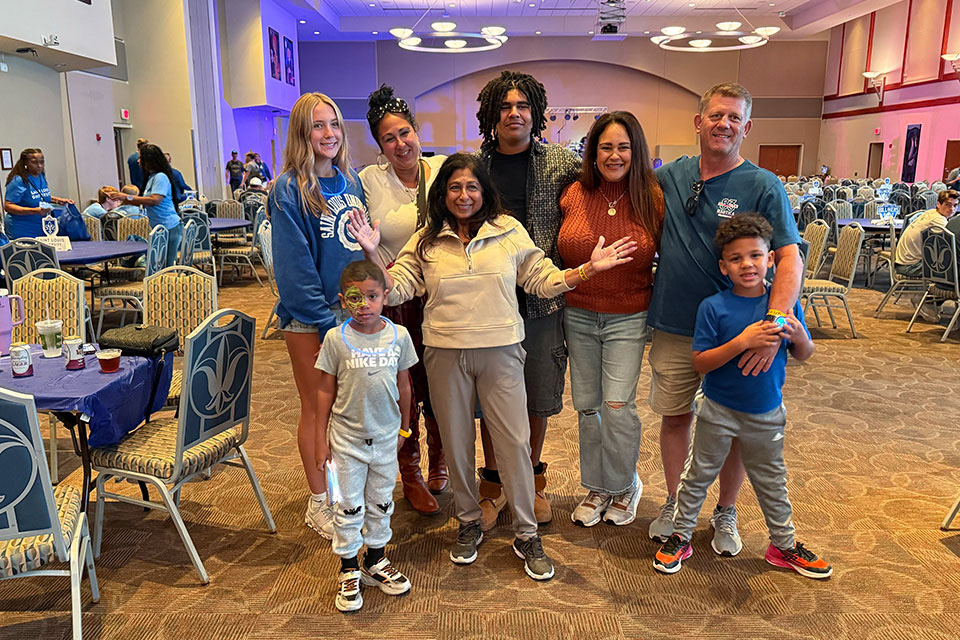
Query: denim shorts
295	326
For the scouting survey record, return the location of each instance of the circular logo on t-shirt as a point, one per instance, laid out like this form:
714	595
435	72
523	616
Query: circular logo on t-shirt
346	238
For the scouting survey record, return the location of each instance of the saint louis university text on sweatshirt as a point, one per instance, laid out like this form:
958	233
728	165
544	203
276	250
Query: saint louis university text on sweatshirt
310	251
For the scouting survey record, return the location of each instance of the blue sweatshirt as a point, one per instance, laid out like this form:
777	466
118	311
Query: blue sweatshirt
310	251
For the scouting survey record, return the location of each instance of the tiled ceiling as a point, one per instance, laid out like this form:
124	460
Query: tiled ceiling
359	19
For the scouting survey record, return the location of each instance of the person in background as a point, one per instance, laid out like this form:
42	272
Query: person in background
396	194
468	260
953	179
251	170
180	186
128	209
529	177
27	197
908	260
700	192
264	168
309	205
158	199
108	199
605	321
133	164
743	408
234	172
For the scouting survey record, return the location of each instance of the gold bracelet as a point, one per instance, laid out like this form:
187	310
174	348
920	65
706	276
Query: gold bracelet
582	273
775	312
406	434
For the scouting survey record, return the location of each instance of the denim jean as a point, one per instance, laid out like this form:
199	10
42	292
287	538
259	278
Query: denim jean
606	351
174	238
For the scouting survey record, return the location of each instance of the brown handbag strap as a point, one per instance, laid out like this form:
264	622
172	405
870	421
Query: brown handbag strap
422	195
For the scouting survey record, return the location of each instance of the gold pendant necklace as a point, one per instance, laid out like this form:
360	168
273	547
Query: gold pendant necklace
611	204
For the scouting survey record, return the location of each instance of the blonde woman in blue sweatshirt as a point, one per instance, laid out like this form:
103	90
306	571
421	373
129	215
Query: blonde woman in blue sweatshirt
309	206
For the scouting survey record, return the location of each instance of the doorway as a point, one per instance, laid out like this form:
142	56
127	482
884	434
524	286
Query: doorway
781	159
118	148
951	160
874	159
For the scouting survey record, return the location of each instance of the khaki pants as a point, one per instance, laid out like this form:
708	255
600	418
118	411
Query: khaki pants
457	377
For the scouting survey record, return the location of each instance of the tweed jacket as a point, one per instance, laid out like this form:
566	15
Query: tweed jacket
552	168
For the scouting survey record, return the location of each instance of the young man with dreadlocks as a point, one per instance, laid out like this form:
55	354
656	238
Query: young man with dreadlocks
530	177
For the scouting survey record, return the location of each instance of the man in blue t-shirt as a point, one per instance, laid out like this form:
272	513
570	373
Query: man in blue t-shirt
699	193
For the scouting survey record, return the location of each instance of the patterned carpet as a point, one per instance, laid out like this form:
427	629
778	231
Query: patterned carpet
874	458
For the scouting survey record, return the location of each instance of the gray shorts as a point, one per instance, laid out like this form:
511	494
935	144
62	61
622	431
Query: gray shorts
546	364
295	326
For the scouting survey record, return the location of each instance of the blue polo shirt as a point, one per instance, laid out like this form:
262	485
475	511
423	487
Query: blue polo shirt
164	213
26	194
720	319
688	270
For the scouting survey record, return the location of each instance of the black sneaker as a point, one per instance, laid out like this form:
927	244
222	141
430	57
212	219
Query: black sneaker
469	537
536	562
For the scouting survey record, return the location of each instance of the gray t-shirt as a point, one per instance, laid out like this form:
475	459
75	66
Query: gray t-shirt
366	368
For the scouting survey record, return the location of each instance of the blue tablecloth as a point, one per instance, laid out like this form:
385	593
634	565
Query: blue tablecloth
114	402
870	224
227	224
92	252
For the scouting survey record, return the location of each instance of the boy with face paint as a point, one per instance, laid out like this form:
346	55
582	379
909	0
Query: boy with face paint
364	398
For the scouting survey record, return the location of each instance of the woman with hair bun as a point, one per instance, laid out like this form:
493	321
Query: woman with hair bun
27	198
309	206
396	192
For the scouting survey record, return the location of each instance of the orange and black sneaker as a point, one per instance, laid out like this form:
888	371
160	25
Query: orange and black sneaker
670	556
800	559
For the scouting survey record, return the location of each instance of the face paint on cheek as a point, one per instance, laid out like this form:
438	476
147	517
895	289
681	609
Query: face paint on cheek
353	298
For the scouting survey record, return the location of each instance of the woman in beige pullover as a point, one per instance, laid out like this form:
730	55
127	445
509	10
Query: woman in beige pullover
468	260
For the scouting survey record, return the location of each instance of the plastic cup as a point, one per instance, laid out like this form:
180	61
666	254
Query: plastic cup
51	337
109	360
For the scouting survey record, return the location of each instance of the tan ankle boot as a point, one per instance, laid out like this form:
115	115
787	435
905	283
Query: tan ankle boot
541	505
492	502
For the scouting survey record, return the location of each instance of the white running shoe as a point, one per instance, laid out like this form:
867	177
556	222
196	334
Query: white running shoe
319	517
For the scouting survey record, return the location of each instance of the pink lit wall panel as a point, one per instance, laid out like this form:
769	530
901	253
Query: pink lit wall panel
856	40
889	31
832	76
924	40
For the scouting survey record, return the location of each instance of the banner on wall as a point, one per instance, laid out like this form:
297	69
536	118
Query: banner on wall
276	65
911	151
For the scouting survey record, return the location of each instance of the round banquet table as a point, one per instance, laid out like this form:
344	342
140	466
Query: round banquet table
94	251
228	224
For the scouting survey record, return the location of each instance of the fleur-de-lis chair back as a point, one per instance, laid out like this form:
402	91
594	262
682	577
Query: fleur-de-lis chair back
109	224
203	228
189	243
157	249
929	199
808	213
939	264
938	186
38	526
902	200
23	255
50	290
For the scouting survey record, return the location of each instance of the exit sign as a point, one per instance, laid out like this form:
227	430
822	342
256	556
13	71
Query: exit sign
124	114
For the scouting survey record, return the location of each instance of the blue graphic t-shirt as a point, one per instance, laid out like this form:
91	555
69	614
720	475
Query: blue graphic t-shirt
310	251
688	270
26	194
720	319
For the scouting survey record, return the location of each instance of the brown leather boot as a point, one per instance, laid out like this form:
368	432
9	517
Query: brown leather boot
492	502
438	479
541	505
414	489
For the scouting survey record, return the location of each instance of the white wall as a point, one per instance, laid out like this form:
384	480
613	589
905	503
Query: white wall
32	117
278	93
83	29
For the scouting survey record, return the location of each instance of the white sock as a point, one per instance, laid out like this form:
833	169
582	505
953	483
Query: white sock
318	497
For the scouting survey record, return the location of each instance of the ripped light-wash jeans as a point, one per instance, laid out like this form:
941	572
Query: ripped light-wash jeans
606	352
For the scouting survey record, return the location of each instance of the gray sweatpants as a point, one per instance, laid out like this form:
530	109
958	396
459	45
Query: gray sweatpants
457	378
367	472
761	448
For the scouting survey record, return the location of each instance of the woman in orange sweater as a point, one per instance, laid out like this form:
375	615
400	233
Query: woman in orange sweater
605	321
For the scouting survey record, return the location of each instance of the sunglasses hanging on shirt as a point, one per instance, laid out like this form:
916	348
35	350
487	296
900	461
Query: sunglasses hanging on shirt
694	200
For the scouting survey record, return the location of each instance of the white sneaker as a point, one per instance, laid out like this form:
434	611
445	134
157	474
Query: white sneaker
385	576
590	509
661	527
319	517
623	508
348	594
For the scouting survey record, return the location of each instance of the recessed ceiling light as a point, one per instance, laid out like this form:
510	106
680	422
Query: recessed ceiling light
699	32
538	32
303	22
376	33
692	4
646	33
316	33
371	5
590	33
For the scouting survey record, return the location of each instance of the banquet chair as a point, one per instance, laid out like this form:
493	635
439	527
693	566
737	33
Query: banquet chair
792	178
899	283
50	293
211	427
178	298
939	265
808	213
816	237
23	255
838	283
39	525
266	250
188	243
132	292
866	193
92	224
108	224
929	199
203	248
938	186
231	209
242	256
846	193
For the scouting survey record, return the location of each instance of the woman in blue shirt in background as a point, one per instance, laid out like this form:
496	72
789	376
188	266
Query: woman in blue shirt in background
26	189
309	207
157	198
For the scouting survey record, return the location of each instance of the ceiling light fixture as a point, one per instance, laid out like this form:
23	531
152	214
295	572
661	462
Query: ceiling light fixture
877	85
316	33
766	32
401	33
728	26
673	31
954	60
446	39
700	44
303	22
443	26
726	38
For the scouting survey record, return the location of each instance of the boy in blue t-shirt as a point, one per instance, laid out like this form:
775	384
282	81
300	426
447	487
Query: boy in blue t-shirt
748	408
365	395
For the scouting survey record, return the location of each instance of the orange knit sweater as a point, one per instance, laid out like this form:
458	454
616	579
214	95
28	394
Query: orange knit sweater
623	289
